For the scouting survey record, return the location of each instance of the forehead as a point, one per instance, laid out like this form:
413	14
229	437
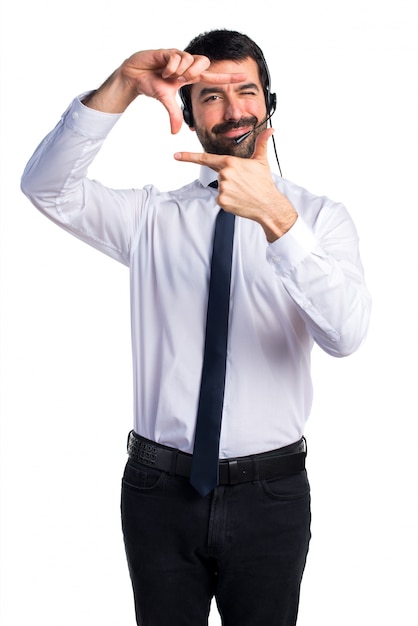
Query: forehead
247	66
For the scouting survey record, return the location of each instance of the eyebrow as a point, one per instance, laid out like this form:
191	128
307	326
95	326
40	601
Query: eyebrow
206	91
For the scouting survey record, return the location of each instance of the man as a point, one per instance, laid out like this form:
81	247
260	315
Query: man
296	279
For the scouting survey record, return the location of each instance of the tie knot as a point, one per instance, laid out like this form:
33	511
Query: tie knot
214	184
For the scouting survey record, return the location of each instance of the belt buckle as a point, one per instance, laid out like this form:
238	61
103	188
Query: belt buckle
240	471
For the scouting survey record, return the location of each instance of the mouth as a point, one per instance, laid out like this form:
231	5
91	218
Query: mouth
235	129
236	132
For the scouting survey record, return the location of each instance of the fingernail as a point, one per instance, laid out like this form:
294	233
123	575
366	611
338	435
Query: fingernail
177	156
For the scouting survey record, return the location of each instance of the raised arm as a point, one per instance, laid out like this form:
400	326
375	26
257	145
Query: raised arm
157	74
55	178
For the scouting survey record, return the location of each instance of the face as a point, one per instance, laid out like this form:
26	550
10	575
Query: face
222	113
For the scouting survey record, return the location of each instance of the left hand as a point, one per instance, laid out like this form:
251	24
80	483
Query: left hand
247	189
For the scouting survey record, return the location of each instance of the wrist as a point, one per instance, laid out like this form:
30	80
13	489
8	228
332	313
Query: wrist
278	219
114	96
275	230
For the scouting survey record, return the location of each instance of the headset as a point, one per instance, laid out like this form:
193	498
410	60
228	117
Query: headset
271	104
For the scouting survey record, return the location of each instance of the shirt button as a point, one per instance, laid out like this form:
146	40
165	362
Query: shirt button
75	115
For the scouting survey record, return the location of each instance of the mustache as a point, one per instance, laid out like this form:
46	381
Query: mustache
233	125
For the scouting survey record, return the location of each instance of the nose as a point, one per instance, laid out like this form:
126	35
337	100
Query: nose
233	109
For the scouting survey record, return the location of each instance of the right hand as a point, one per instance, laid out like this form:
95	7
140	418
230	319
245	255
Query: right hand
158	74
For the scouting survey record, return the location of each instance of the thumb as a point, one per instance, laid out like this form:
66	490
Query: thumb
175	113
261	143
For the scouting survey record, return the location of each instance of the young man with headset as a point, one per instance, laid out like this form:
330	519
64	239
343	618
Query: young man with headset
240	534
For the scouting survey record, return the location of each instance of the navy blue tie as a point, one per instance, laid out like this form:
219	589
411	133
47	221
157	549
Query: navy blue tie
205	464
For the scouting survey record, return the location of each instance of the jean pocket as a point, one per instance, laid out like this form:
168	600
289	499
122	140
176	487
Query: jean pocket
140	478
287	487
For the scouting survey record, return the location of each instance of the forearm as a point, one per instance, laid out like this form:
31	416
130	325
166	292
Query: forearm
276	216
327	286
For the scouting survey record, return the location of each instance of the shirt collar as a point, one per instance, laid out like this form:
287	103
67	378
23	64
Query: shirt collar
207	175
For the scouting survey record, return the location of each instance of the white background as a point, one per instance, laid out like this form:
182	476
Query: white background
345	73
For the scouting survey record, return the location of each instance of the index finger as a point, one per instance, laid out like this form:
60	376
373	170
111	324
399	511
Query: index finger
214	161
221	78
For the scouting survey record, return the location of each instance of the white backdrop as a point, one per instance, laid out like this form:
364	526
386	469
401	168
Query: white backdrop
345	73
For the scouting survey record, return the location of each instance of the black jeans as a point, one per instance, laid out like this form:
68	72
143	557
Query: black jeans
245	545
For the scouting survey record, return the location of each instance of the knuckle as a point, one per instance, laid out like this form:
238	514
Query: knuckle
188	57
205	158
202	59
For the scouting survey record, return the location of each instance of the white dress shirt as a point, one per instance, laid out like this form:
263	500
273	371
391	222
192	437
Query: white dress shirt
307	286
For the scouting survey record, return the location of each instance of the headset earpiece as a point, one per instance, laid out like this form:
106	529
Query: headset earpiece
271	103
187	116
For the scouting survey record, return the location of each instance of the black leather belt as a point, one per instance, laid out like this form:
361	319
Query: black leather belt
267	465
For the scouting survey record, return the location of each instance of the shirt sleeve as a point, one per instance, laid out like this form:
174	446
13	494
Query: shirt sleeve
319	265
55	180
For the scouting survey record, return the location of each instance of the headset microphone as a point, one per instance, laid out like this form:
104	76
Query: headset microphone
238	140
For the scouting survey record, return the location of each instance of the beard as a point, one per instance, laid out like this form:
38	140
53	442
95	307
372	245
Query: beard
214	142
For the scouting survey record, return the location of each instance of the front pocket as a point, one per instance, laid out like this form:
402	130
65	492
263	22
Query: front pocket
289	487
138	478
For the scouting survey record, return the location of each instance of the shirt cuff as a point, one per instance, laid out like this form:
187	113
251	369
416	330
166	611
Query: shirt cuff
288	251
89	122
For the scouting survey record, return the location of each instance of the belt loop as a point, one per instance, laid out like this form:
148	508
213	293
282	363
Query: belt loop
173	466
233	472
256	469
